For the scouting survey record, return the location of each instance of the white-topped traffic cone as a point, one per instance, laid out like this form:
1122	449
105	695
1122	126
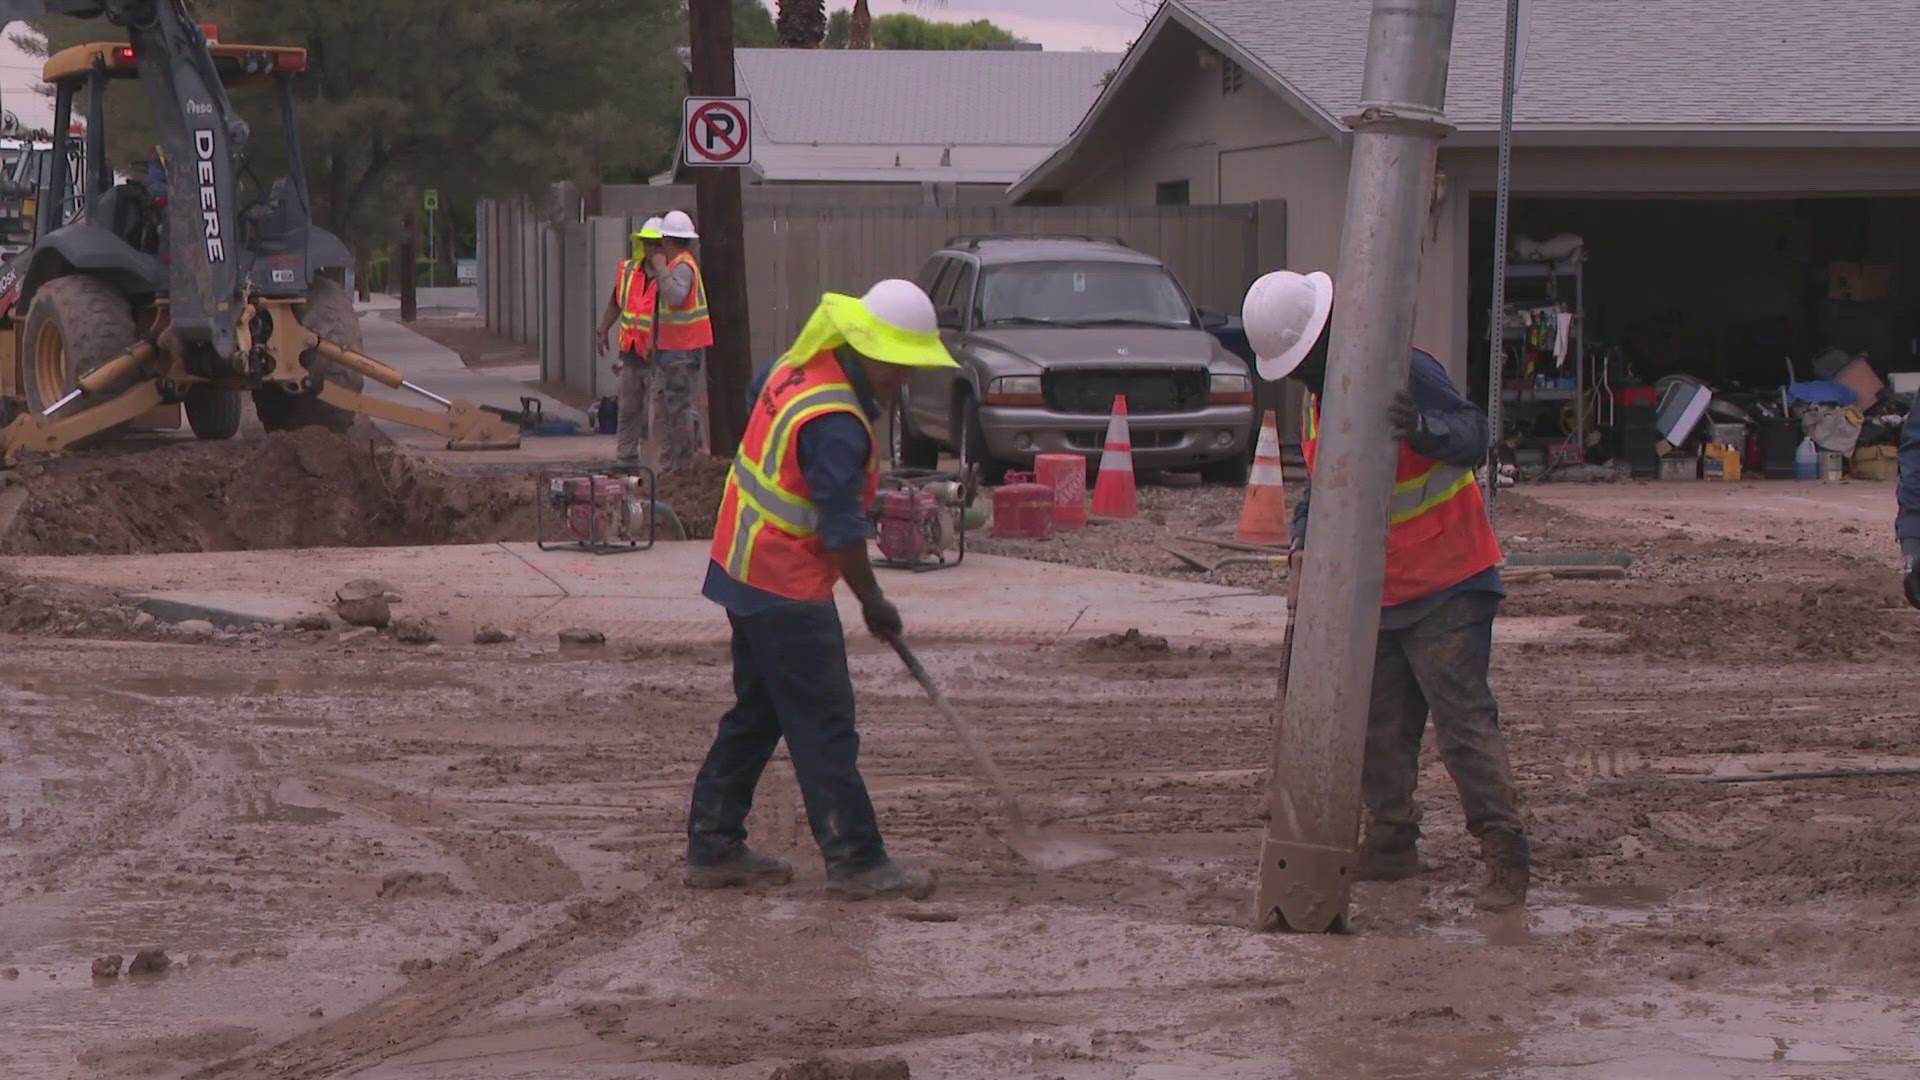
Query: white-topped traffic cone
1115	495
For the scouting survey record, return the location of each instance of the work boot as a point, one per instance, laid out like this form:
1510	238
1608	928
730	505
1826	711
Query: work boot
1389	853
745	869
889	879
1509	872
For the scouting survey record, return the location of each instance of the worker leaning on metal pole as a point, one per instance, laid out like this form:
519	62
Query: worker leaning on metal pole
1442	590
683	333
1907	525
793	522
632	305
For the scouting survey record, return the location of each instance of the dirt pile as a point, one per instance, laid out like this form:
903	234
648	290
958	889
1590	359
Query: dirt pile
307	488
693	490
29	606
887	1068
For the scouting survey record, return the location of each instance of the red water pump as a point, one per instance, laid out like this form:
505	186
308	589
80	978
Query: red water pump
599	513
920	519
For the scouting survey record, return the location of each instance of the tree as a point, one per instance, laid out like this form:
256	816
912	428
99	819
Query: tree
914	32
475	98
753	26
839	29
802	24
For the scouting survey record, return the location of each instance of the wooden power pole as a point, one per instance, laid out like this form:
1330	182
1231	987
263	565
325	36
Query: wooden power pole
1307	858
409	246
723	257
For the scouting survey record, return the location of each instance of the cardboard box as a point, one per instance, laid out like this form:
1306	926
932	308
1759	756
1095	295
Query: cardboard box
1876	463
1680	467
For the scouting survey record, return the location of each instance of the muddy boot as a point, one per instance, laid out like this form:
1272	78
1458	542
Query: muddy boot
747	868
1389	854
1508	872
889	879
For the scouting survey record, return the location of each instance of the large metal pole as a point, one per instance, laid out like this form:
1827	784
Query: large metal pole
723	257
1497	322
1306	860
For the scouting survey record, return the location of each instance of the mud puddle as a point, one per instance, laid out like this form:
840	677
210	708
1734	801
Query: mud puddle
1553	913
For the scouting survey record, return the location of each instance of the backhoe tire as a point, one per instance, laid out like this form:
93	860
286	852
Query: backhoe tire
329	313
213	413
75	324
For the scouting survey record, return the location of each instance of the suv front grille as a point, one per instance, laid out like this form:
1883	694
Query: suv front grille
1147	392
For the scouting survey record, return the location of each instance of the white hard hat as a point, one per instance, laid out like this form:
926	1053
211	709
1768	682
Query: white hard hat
902	305
1284	315
677	224
650	229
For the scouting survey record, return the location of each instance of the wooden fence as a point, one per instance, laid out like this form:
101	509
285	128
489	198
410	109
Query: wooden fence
545	282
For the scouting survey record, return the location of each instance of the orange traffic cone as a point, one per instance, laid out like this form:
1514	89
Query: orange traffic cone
1263	517
1114	496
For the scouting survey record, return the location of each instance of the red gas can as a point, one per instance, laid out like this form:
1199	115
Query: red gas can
1022	509
1066	474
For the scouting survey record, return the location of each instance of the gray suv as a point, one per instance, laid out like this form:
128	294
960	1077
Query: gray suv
1048	331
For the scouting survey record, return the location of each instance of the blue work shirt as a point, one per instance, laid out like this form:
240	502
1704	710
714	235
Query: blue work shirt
834	450
1907	525
1456	434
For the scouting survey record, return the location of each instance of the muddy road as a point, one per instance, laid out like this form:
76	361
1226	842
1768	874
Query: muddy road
383	863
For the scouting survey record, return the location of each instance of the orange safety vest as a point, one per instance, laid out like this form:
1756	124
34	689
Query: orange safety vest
636	307
768	535
1439	535
685	326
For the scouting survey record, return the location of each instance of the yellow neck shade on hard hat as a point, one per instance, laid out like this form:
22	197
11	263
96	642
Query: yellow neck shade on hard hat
640	241
844	320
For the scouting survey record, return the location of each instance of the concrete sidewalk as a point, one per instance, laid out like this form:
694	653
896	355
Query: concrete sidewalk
654	596
434	367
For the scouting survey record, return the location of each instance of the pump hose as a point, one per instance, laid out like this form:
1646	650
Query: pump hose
663	512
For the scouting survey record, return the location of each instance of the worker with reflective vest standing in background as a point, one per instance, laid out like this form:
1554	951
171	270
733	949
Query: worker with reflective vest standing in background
793	522
1442	590
635	295
683	332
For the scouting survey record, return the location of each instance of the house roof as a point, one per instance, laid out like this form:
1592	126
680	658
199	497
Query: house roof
1593	72
964	116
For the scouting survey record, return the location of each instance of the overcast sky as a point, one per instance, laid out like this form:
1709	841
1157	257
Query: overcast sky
1105	25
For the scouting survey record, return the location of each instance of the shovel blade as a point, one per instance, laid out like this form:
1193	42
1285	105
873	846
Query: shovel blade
1057	852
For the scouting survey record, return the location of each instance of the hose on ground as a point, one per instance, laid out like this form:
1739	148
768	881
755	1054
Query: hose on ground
662	513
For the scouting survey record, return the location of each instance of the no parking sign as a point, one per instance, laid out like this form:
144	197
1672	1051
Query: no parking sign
718	131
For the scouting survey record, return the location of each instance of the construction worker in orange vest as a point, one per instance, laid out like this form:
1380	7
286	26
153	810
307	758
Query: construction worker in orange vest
1442	590
635	295
683	332
793	522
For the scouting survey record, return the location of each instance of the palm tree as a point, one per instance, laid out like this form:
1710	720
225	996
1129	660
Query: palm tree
801	24
860	29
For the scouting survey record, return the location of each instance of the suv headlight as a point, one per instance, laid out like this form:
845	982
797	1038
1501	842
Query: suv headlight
1230	390
1015	390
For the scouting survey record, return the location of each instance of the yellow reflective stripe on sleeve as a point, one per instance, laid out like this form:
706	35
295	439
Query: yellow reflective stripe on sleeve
1417	495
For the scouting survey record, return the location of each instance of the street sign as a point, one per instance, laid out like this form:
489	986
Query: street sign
718	131
432	199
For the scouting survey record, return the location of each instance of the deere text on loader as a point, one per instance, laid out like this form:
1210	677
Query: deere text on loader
133	307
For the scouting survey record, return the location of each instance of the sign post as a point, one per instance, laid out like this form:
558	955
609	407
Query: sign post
718	131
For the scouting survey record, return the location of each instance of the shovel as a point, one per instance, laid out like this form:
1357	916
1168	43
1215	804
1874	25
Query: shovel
1048	852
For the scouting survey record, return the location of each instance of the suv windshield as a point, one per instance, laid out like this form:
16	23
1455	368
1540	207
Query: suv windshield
1082	294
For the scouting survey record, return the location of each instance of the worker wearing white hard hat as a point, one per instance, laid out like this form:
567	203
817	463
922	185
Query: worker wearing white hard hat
683	332
635	299
1441	593
792	524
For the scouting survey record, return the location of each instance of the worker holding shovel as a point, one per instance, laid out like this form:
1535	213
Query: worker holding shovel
792	524
1442	591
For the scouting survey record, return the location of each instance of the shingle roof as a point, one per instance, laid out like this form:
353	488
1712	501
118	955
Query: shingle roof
872	96
1789	65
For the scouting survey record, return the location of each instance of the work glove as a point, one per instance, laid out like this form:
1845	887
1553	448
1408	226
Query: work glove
1404	417
883	619
1910	581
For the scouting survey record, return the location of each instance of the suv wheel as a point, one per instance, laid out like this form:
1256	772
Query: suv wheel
908	450
973	444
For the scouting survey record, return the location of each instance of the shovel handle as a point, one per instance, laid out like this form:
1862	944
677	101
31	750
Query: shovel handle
989	769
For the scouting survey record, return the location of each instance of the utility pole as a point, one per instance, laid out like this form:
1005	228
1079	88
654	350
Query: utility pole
409	243
1307	858
1497	322
723	257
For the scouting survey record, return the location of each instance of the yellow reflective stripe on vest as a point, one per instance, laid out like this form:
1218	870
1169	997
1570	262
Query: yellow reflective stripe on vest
1417	495
673	316
747	524
760	489
629	319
